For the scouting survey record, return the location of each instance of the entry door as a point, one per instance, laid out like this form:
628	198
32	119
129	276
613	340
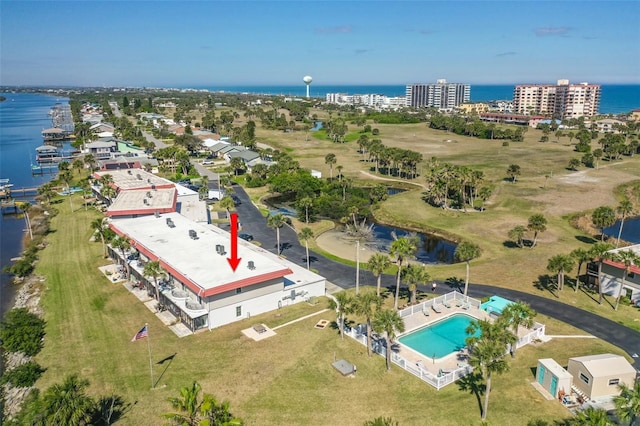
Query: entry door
554	386
541	374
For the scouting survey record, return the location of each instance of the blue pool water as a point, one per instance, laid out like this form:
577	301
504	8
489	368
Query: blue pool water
440	339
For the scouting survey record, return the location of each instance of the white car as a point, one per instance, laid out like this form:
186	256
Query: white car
207	162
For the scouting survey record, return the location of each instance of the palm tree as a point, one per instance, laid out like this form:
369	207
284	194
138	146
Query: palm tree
581	256
25	207
414	275
591	417
625	208
381	421
98	228
628	403
466	252
187	404
342	304
67	404
513	171
154	270
305	203
402	248
227	203
600	252
305	235
330	159
366	305
122	243
560	264
276	221
388	321
628	258
516	314
192	412
603	217
488	352
537	223
67	177
517	234
378	263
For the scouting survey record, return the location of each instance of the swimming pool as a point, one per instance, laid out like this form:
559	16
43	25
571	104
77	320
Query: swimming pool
441	338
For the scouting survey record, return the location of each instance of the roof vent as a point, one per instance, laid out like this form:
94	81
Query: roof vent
193	234
220	249
149	180
148	194
145	201
139	176
170	223
130	172
251	265
157	213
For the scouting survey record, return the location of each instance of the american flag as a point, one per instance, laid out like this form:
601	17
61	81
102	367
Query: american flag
141	334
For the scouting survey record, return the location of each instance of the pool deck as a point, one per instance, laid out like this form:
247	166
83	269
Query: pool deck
451	361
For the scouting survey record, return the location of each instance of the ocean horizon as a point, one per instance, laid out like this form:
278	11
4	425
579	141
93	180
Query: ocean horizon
614	98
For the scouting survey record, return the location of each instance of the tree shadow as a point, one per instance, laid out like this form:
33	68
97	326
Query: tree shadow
312	259
474	384
510	244
586	239
283	247
455	283
546	283
110	409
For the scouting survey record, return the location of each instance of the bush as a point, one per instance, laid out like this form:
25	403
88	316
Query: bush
505	143
22	331
24	375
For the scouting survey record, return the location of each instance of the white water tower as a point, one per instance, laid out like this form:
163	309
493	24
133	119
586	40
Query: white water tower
307	80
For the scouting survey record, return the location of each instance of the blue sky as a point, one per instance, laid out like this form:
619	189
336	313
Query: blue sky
218	43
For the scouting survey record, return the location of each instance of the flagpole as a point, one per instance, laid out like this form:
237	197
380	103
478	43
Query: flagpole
150	360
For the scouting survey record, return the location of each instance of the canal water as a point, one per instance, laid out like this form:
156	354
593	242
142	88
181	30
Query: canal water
23	116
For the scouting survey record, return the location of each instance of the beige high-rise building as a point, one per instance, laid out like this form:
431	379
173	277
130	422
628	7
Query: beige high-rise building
562	100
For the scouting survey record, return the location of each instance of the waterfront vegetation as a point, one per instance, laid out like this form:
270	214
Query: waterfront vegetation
288	378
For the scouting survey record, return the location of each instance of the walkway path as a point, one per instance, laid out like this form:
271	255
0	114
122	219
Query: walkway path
343	276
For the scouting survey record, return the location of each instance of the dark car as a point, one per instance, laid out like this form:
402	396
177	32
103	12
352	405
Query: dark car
246	237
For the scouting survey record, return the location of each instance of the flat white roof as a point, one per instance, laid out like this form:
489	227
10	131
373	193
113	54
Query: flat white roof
603	365
134	179
197	259
143	201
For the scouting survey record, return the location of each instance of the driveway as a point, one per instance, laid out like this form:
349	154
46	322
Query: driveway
344	276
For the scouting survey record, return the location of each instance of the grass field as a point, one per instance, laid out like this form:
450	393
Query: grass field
285	379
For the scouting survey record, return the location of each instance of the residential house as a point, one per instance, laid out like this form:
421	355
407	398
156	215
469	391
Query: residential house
600	375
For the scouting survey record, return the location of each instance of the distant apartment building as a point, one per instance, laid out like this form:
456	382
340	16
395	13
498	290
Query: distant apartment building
562	100
374	101
441	95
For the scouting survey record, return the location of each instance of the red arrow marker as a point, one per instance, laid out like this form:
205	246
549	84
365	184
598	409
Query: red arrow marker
234	261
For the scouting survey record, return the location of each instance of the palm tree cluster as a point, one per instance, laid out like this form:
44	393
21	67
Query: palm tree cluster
489	343
390	160
448	184
193	411
472	126
537	223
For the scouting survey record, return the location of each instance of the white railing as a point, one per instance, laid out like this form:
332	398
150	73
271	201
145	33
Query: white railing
452	298
379	346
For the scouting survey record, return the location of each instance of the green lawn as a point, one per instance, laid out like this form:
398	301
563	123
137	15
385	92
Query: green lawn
285	379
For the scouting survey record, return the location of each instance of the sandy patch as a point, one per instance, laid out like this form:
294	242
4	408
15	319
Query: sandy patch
339	244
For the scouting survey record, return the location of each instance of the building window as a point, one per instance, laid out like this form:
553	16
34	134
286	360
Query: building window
238	290
584	378
613	382
239	313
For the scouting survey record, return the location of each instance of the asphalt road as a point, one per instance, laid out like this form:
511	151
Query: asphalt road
344	276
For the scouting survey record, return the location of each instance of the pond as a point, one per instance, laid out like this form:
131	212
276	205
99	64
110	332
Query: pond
432	249
317	125
630	230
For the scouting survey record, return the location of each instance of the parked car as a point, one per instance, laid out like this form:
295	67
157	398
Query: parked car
246	237
207	162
